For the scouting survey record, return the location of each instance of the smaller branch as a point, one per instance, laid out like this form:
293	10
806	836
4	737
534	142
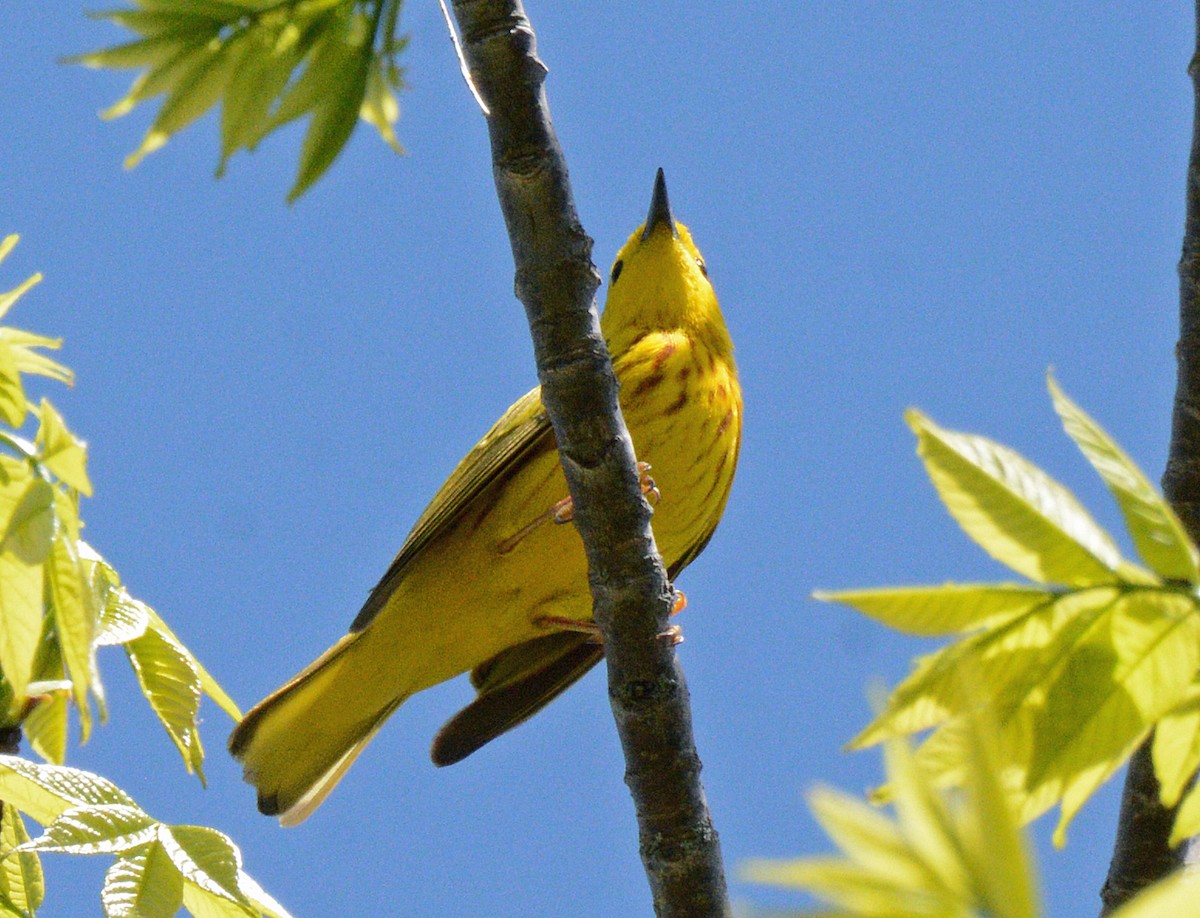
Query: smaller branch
1142	853
632	596
463	67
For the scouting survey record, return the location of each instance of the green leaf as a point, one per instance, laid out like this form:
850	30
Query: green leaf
111	828
1008	661
46	726
326	54
143	884
73	623
1156	531
21	881
29	360
161	78
171	685
1112	689
260	898
20	619
124	619
943	856
62	452
207	682
207	859
380	109
30	529
46	791
1176	750
156	23
13	404
1018	514
334	119
149	52
1187	819
194	89
255	85
946	609
9	299
994	847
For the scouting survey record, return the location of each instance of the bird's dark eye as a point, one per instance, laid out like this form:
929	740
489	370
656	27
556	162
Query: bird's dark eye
702	266
616	271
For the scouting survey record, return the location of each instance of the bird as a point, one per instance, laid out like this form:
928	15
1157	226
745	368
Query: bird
492	579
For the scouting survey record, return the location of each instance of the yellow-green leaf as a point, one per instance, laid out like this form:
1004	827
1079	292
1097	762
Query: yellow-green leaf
194	88
1187	819
30	529
46	791
46	726
109	828
143	884
1176	750
210	685
62	452
994	847
74	624
148	52
28	360
206	858
20	619
261	900
1007	661
1014	510
8	299
21	881
379	107
1156	531
171	685
1113	688
946	609
13	404
334	118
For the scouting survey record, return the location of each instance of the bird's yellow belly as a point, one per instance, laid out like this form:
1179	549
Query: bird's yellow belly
488	583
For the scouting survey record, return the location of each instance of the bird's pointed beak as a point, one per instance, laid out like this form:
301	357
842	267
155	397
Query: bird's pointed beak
660	209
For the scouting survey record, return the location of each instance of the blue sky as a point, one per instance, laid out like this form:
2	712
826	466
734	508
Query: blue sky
900	204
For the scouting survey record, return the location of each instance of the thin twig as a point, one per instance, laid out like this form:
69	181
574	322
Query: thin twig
632	596
1142	853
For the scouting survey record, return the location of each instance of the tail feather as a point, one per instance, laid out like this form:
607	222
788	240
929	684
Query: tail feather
296	744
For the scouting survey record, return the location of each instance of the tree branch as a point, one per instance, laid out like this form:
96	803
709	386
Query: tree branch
632	597
1142	853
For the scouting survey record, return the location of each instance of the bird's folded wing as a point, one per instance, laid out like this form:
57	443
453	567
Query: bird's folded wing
522	430
513	686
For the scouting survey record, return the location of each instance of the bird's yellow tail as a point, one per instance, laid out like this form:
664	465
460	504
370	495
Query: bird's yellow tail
298	742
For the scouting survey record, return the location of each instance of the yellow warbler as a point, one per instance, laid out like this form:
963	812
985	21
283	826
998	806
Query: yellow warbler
492	578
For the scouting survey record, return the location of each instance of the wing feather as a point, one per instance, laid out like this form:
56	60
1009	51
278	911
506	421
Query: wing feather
522	430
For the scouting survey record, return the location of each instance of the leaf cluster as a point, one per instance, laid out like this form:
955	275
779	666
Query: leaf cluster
268	62
1046	691
159	868
59	599
946	853
59	602
1078	667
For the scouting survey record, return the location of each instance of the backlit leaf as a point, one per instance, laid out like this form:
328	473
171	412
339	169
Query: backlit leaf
946	609
1015	511
143	884
1156	531
21	881
45	791
96	829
